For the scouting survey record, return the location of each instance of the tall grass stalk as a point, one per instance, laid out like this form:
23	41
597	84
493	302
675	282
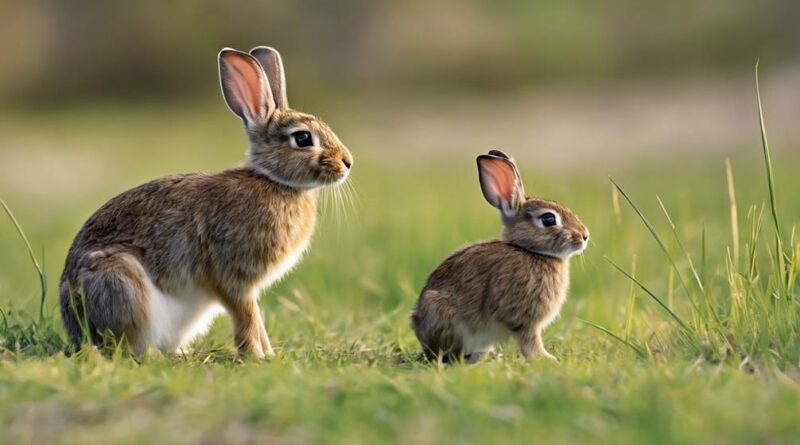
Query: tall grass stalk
679	322
39	269
760	317
659	241
734	212
638	350
680	245
780	257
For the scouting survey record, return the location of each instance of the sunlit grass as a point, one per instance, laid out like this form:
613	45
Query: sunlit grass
758	316
682	319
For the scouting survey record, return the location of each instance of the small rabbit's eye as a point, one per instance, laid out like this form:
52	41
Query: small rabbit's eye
302	139
548	219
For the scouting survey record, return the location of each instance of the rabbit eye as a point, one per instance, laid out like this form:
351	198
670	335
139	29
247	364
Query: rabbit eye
548	219
302	139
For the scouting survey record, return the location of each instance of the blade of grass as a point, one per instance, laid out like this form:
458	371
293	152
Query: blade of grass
793	263
767	158
680	245
615	205
616	337
660	243
717	325
703	251
684	327
734	212
755	233
39	270
780	254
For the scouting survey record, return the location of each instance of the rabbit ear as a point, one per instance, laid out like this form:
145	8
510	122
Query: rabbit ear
271	61
500	183
245	87
500	154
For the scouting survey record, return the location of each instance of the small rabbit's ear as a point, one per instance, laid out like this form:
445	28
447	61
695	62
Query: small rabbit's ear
245	87
271	61
500	183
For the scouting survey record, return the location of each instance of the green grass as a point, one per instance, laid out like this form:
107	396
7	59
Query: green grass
667	335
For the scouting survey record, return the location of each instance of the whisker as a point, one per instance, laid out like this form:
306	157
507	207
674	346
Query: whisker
338	205
325	199
343	202
352	190
339	200
346	200
322	199
352	197
353	193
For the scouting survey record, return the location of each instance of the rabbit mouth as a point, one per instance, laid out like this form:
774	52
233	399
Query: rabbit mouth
333	178
579	248
573	250
331	171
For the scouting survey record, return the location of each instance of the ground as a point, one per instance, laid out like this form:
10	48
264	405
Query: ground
348	368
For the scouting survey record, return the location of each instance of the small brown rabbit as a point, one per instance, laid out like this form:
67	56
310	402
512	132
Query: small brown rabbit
514	286
156	263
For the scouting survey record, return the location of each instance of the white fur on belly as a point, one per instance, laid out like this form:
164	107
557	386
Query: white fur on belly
173	321
481	339
282	267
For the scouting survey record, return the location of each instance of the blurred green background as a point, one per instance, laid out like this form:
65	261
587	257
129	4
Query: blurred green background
93	50
99	96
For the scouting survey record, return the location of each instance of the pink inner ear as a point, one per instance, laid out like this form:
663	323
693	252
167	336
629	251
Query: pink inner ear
246	83
500	178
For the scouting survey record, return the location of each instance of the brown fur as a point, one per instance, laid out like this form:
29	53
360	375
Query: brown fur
223	234
510	287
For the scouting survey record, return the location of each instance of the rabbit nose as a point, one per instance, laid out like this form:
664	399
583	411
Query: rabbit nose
586	237
347	163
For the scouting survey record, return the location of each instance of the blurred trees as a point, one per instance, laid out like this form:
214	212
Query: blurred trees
59	50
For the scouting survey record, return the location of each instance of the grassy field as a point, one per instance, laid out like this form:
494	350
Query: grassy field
704	349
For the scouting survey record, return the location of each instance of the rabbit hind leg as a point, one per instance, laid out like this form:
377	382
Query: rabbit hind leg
115	295
432	322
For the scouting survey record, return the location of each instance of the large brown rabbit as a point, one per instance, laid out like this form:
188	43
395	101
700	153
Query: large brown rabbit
156	264
514	286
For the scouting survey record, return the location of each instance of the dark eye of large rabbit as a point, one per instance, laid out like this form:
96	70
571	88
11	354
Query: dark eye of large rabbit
303	138
548	219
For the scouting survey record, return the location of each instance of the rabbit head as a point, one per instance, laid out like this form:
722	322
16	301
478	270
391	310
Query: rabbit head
537	225
292	148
